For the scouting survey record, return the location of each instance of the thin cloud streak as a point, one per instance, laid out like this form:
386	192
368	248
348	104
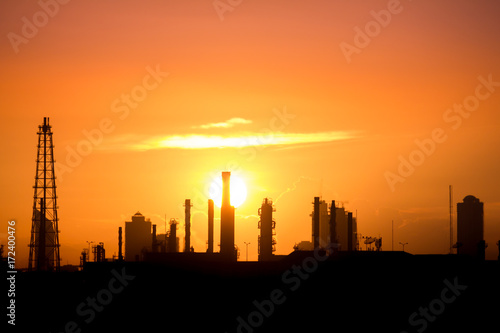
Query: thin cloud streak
201	141
226	124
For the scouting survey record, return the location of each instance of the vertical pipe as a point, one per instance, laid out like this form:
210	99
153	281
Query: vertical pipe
349	231
154	246
172	238
333	223
392	238
316	223
120	253
187	225
210	248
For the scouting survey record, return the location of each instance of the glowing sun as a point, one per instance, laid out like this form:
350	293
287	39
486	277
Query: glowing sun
237	189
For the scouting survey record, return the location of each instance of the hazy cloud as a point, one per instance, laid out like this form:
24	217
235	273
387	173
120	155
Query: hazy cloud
202	141
225	124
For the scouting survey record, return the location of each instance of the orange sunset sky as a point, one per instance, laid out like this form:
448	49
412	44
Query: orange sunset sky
297	98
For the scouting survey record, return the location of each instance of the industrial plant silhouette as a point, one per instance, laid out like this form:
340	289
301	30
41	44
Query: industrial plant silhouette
329	283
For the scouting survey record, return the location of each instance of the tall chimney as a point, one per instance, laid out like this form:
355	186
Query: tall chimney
333	223
349	231
120	254
316	223
187	225
210	248
226	197
227	220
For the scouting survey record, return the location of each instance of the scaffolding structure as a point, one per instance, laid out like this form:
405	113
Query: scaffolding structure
44	242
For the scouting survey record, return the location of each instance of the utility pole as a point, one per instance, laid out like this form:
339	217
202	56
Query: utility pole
89	242
403	245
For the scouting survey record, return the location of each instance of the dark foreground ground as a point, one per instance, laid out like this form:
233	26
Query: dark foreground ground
359	292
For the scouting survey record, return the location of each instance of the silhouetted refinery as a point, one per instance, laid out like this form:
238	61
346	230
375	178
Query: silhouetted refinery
327	282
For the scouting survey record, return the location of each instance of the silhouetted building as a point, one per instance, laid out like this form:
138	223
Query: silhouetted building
173	240
267	225
227	248
304	246
210	247
345	232
162	241
323	223
99	252
470	227
138	238
84	257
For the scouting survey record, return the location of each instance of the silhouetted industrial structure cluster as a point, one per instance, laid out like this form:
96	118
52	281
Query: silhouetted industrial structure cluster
333	227
141	243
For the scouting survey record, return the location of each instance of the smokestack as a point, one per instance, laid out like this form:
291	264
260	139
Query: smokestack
120	254
349	231
187	225
316	223
210	248
154	245
333	223
226	198
227	220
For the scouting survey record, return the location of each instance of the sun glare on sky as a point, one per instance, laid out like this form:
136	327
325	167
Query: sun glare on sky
237	189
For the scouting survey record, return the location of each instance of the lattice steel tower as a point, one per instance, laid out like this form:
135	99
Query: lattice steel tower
44	243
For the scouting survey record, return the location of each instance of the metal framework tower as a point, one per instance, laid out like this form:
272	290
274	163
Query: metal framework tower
44	243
